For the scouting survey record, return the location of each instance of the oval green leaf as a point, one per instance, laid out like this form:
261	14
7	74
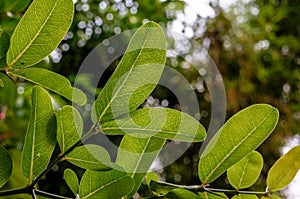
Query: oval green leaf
244	173
90	156
136	155
105	185
69	127
6	166
53	82
270	197
135	76
284	170
240	135
182	194
212	195
4	43
40	138
71	180
39	32
244	196
158	122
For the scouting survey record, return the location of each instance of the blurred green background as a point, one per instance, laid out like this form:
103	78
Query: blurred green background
255	45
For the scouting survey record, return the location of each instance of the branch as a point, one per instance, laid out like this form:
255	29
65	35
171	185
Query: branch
61	156
46	194
24	190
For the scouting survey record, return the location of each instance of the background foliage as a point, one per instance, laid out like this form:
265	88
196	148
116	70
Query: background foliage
254	44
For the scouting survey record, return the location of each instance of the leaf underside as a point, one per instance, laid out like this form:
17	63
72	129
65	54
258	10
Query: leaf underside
240	135
39	32
40	138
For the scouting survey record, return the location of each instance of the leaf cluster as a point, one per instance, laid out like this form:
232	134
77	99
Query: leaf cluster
116	111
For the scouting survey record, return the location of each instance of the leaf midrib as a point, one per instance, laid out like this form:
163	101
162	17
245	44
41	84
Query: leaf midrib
152	130
235	147
33	141
34	38
126	78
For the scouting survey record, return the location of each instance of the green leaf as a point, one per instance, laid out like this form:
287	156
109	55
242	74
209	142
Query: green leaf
136	75
1	83
90	156
163	187
71	180
40	138
245	173
212	195
53	82
6	166
182	194
284	170
16	5
136	155
244	196
105	184
69	127
39	32
4	43
151	176
270	197
240	135
158	122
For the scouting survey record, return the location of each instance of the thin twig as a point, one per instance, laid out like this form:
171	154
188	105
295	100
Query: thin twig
46	194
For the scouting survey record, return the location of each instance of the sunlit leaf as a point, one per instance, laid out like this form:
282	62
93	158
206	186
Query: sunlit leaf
6	166
71	180
244	196
158	122
136	155
40	138
284	170
4	43
105	185
1	83
136	75
240	135
90	156
245	173
151	176
69	127
39	32
182	194
53	82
